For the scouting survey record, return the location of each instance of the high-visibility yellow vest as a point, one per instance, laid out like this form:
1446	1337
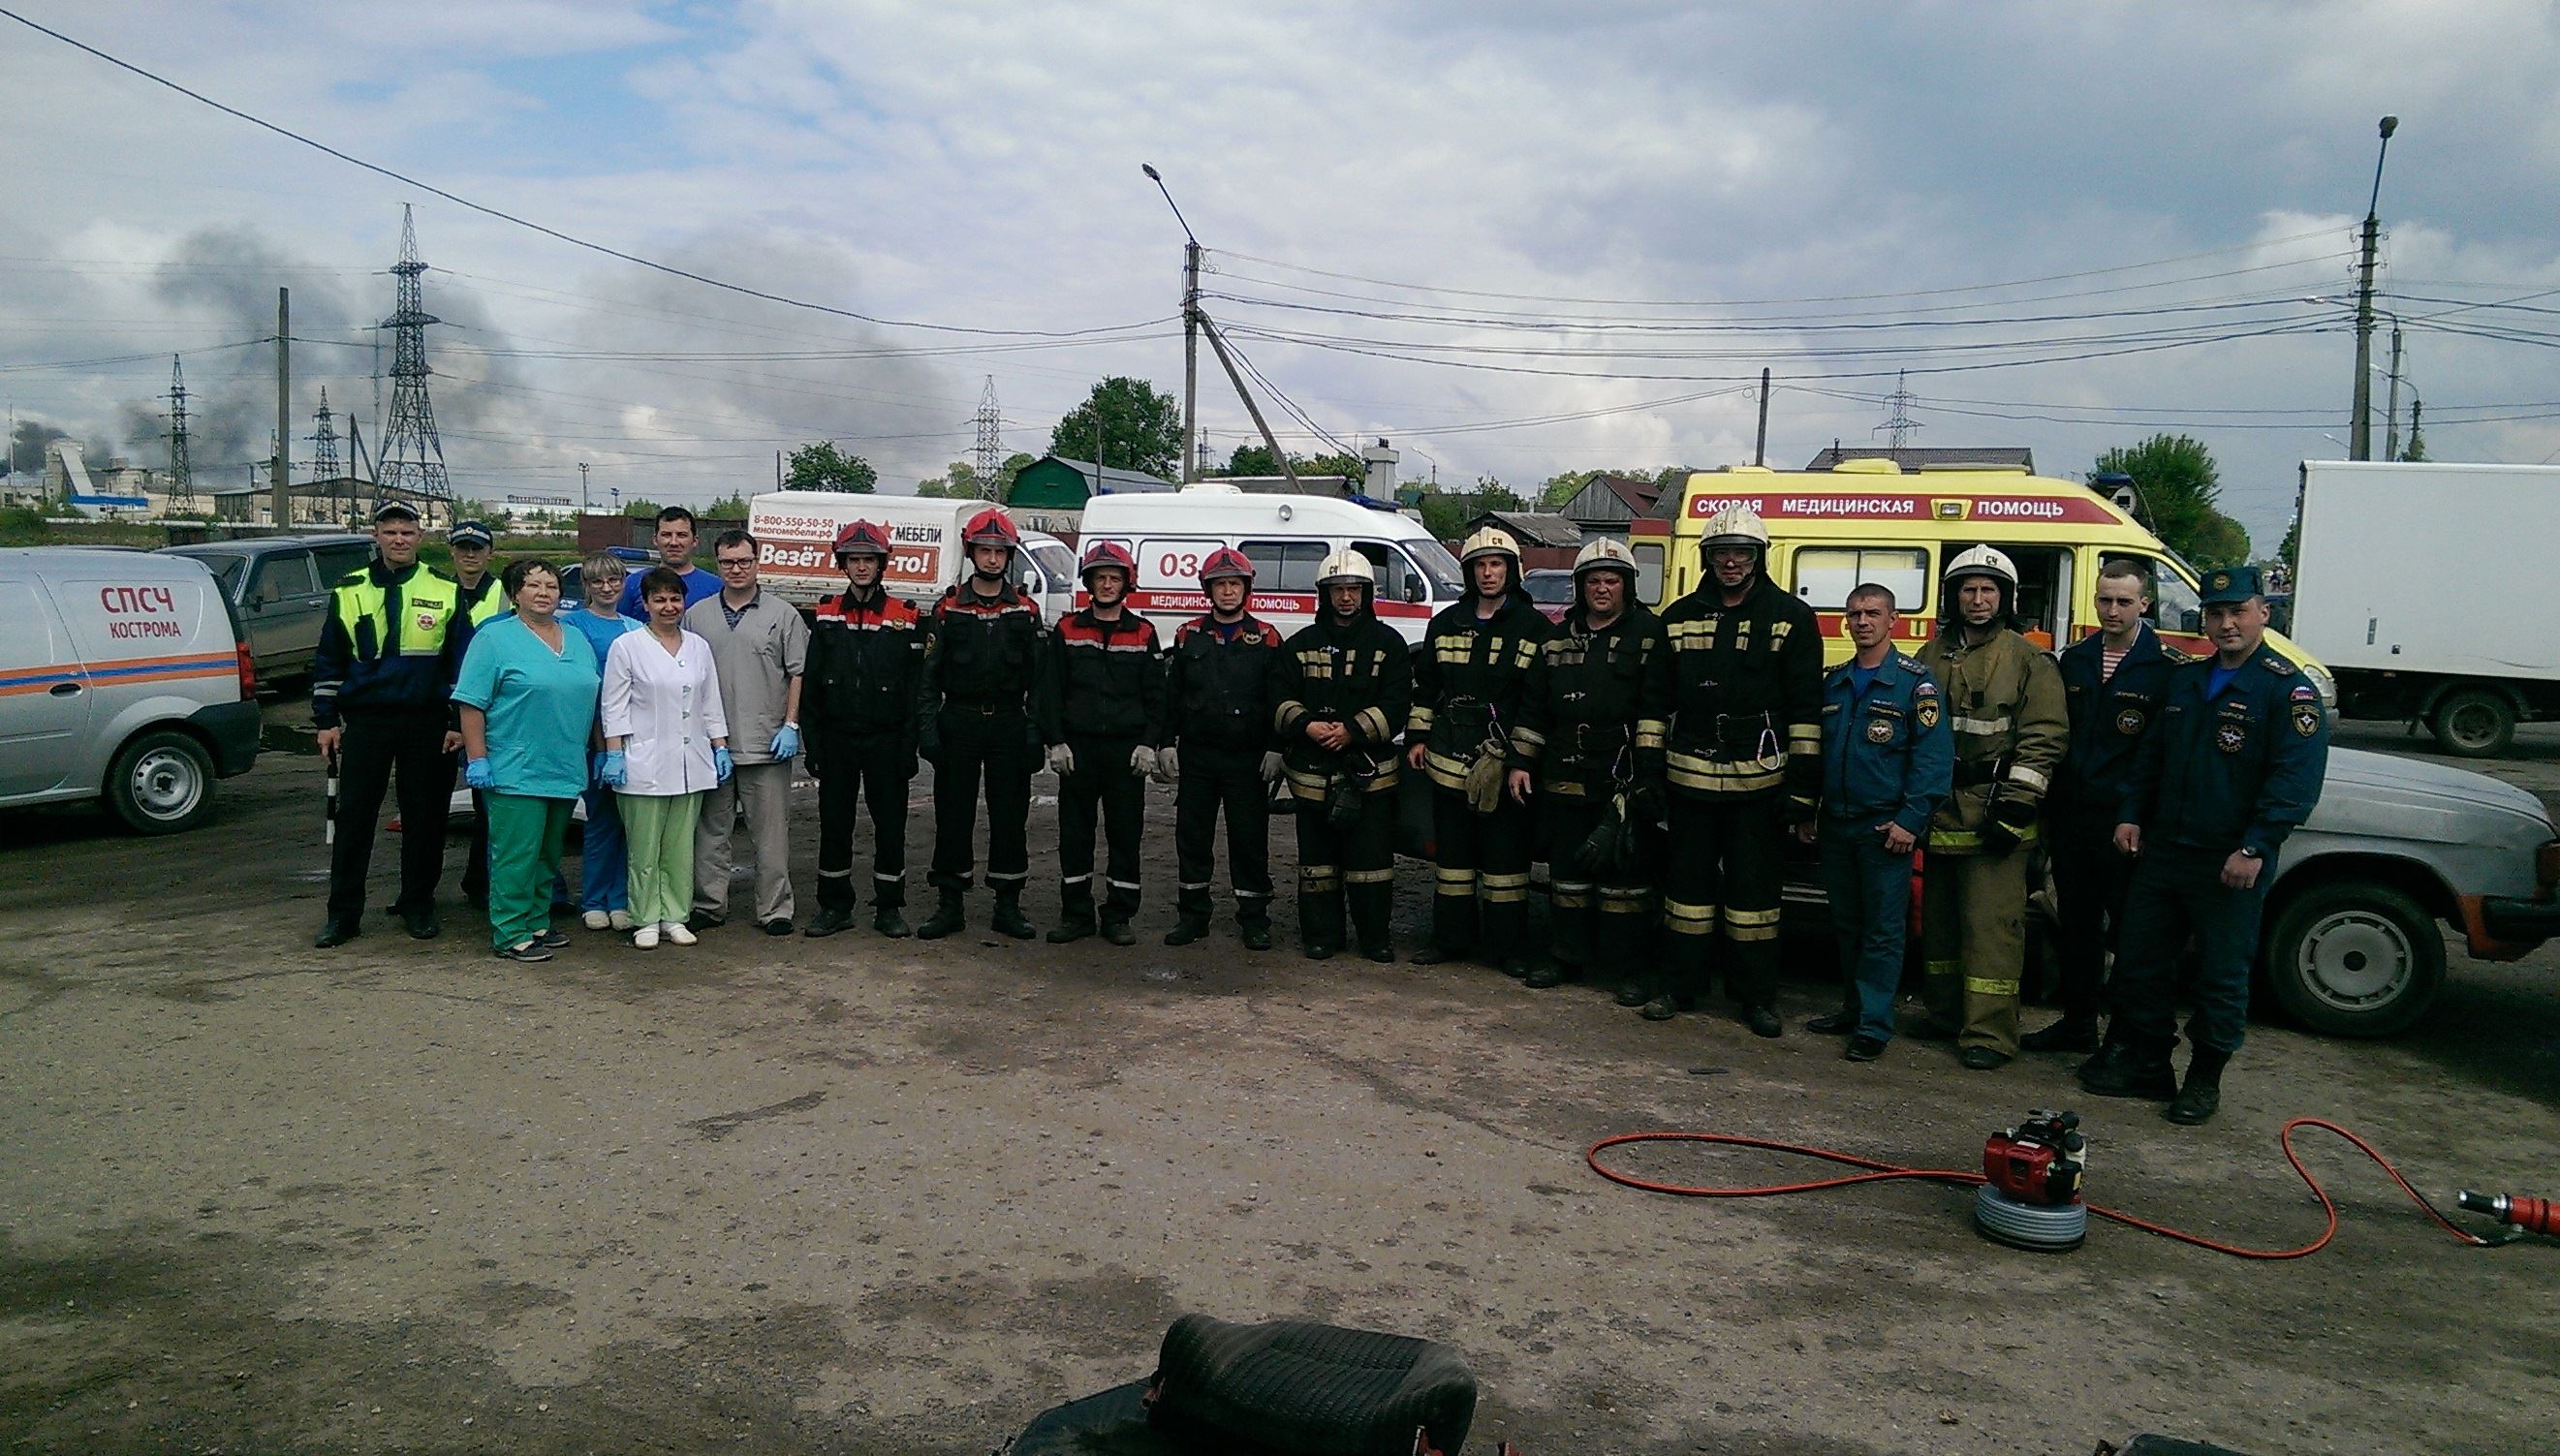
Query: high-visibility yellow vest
429	604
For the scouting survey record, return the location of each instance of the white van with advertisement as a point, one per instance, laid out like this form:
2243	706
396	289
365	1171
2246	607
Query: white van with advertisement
1287	538
795	533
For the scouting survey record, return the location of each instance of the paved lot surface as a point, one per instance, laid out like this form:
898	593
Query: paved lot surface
852	1195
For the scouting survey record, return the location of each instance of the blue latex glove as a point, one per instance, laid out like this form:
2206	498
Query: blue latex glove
786	741
612	771
476	774
722	765
595	765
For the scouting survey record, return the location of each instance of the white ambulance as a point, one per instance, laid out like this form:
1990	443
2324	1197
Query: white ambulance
795	533
1287	538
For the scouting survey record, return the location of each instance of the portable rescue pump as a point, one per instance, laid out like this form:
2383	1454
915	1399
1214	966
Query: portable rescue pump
2031	1192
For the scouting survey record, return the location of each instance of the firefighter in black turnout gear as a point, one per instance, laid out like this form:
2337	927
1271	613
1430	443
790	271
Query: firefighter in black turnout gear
980	653
1221	684
857	712
1469	682
1346	682
1589	743
1745	761
1100	704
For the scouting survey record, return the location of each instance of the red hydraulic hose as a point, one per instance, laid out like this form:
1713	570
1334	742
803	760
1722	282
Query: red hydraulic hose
1876	1172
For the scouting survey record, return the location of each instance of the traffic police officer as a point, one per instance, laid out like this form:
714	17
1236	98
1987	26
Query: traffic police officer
2005	701
1101	710
474	545
2113	681
1589	740
1221	684
2235	765
1469	682
1745	761
858	706
381	689
1346	682
1887	758
980	653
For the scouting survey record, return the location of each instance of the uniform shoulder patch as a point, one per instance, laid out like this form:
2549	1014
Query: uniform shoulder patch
2277	665
2177	654
1914	669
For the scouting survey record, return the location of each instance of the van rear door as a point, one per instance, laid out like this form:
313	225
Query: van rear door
44	698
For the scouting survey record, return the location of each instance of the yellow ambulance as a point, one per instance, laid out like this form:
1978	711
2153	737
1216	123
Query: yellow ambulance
1871	521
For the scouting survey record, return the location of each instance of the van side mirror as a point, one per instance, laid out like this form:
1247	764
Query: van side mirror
1415	590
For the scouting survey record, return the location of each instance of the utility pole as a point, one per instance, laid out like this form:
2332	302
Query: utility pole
2360	428
1760	449
585	504
280	480
1269	441
2392	409
1191	361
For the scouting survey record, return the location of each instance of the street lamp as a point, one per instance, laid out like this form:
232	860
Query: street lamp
2361	425
1190	329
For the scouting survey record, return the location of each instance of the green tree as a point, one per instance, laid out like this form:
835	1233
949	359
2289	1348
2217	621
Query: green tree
822	466
1252	460
2291	546
2182	488
731	507
1127	423
1564	485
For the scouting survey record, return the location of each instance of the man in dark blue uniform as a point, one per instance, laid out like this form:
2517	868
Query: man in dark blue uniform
1888	759
2234	765
2113	681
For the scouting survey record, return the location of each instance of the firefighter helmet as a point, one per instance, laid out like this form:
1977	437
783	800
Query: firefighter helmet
1736	525
1107	553
1604	554
992	527
861	539
1344	566
1226	560
1492	541
1985	561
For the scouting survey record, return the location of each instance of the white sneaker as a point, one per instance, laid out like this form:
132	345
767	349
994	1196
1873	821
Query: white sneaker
595	920
620	919
676	933
646	938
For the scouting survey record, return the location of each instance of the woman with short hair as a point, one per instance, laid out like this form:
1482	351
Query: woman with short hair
603	883
666	742
528	692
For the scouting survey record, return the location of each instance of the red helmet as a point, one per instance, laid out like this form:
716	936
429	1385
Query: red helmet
1107	553
1226	560
992	527
861	539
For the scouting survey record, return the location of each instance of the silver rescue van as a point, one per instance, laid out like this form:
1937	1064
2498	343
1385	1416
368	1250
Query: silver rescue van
124	677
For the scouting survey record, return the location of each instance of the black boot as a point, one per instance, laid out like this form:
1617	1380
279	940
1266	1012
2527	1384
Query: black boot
2201	1095
1190	916
827	922
887	922
1008	919
1253	926
1117	931
948	916
2071	1034
2132	1068
1075	911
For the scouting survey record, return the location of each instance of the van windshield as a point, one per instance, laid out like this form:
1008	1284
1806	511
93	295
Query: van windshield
1448	582
1056	563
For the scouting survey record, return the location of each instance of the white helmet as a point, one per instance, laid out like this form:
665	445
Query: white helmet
1346	566
1604	552
1984	560
1736	525
1492	541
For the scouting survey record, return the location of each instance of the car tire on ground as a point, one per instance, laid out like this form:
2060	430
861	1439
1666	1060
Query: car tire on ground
2474	723
161	783
2355	959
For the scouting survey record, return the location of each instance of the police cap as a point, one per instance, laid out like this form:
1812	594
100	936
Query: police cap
395	511
470	532
2232	583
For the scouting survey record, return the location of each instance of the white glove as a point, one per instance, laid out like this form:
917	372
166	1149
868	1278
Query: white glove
1169	763
1271	765
1142	761
1061	759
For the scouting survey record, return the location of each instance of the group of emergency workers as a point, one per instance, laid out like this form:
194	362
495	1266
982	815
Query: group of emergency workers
1664	762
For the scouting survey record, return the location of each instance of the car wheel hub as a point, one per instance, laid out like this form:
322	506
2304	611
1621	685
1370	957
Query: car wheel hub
166	785
2356	960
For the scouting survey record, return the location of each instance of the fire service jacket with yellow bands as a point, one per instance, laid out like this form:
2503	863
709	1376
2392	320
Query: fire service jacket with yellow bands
1358	674
2005	704
1470	680
866	664
1747	689
1598	707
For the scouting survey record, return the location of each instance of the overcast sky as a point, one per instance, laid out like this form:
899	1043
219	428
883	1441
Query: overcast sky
1423	219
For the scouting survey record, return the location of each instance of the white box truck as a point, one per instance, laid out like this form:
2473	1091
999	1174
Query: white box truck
795	533
2427	589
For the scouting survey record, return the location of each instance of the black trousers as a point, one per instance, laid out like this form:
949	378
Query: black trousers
995	747
880	765
372	750
1484	854
2090	882
1101	787
1355	860
1598	916
1213	779
1726	868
